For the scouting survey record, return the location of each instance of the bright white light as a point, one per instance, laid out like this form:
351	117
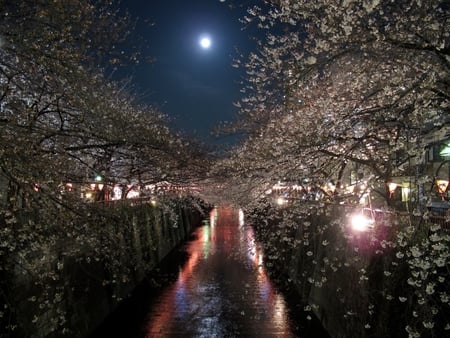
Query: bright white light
361	223
281	201
205	42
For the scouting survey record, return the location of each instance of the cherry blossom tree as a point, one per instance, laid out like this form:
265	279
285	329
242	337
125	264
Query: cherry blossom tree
63	121
346	84
336	87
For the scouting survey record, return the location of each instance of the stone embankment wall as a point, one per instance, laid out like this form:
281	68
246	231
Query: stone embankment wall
72	285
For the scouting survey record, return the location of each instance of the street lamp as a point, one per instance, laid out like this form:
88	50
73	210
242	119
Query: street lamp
442	186
391	187
361	222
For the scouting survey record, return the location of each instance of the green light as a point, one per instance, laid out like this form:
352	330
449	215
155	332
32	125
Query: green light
446	151
98	178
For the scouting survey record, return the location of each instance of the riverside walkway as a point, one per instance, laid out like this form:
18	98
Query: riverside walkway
220	290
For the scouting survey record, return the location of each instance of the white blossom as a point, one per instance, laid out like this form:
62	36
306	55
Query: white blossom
428	324
310	60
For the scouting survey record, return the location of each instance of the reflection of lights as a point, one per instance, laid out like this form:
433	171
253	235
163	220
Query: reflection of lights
241	217
213	217
253	252
206	242
259	259
187	270
153	202
255	255
184	300
279	315
361	223
206	233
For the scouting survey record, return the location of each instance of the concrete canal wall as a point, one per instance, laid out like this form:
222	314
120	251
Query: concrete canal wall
76	282
338	281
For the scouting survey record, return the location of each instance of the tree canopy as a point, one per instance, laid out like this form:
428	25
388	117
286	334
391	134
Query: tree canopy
352	92
64	123
340	82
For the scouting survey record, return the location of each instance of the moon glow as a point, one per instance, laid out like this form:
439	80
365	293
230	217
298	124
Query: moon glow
205	42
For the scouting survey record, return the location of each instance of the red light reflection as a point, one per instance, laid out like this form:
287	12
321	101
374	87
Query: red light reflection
222	289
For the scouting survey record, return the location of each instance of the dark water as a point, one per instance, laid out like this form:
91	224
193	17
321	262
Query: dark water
214	286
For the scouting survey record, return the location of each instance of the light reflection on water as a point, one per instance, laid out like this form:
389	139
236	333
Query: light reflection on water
223	289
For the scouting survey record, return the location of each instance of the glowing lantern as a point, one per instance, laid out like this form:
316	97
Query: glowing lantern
442	186
391	187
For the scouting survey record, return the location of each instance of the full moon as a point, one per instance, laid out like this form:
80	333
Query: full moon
205	42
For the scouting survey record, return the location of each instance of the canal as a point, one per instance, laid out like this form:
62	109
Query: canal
214	286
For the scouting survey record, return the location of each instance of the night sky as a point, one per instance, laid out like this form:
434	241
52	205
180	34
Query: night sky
195	86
